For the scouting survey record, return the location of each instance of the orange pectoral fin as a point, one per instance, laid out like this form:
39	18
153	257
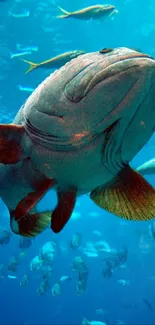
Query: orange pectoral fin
130	196
63	210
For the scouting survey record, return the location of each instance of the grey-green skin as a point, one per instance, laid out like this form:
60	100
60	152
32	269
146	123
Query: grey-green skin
92	12
86	96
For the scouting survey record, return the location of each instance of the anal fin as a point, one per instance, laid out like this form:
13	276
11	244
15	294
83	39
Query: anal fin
130	196
63	210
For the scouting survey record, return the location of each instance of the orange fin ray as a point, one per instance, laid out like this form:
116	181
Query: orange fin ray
130	197
31	225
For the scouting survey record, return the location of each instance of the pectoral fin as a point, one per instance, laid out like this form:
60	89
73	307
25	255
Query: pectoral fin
130	196
11	150
63	210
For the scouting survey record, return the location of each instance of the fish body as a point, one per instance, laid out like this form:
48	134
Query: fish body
27	89
92	12
76	134
12	276
90	254
54	63
148	168
18	54
93	322
56	289
27	48
124	282
65	278
23	14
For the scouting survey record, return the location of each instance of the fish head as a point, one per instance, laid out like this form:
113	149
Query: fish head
107	8
76	53
94	93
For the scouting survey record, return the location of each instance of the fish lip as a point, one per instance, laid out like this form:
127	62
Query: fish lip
54	142
31	129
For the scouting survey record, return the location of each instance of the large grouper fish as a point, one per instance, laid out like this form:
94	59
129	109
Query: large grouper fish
77	133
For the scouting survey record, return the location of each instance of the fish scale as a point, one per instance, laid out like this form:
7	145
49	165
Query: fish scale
77	133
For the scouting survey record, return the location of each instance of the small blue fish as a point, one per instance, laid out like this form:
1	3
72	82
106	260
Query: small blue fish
15	55
12	276
26	48
27	89
148	168
23	14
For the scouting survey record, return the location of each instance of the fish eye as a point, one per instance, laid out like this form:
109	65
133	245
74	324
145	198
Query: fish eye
105	50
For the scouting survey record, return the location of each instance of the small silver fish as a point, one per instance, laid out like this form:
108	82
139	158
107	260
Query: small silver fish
65	278
18	54
12	276
92	322
23	14
148	168
32	48
27	89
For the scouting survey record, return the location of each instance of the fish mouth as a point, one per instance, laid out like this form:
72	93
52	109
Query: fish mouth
32	130
56	143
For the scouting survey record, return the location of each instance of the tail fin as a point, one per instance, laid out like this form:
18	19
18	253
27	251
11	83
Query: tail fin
66	13
112	13
32	66
11	55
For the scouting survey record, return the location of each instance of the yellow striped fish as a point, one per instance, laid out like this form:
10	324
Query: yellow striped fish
92	12
54	63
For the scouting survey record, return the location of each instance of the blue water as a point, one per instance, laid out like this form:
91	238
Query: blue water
132	27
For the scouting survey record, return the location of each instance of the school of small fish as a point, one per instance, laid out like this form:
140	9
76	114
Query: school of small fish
43	265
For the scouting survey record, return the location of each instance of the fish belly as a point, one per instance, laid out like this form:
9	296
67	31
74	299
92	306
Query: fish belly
82	169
